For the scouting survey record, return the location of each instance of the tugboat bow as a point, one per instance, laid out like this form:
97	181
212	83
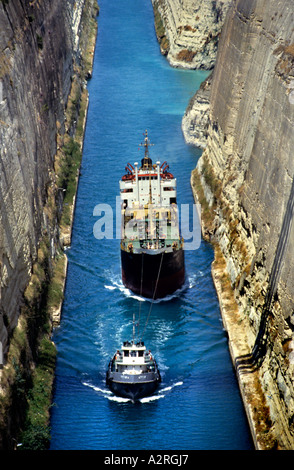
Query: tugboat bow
133	372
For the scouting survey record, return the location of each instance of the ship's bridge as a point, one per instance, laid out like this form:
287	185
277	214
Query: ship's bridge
133	359
149	184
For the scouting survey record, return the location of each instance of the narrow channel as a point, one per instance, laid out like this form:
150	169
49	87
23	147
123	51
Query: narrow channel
198	405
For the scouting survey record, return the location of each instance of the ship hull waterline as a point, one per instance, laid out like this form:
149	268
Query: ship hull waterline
133	391
151	275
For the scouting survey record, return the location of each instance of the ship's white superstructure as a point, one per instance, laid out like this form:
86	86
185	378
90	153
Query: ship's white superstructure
149	209
149	184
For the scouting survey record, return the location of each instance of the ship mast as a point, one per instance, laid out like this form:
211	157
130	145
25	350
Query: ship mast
147	162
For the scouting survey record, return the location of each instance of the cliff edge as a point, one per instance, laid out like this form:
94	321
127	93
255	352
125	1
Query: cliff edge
244	182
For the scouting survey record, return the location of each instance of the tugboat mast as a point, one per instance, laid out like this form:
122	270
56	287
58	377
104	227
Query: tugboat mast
134	328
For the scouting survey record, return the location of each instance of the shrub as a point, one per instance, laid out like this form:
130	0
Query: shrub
186	55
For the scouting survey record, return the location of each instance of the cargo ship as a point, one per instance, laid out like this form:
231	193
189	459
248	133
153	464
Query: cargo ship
152	249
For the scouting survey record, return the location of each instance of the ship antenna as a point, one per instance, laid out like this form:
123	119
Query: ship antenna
148	162
146	144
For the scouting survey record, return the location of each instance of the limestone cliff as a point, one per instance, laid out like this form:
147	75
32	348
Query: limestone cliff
244	181
195	119
39	44
34	38
189	30
40	56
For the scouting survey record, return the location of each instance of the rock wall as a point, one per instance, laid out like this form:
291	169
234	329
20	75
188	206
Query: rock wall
46	57
39	44
245	181
195	120
189	30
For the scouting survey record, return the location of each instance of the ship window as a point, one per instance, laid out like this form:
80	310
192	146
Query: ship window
133	354
126	353
141	353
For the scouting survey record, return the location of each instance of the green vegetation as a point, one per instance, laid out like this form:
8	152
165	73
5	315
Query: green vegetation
30	393
55	289
36	435
67	180
39	42
160	29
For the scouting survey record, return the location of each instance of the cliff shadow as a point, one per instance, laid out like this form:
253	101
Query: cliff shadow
251	362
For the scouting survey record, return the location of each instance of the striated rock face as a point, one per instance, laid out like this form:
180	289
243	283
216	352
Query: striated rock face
189	30
38	42
195	120
247	172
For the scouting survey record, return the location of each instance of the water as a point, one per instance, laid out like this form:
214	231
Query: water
198	405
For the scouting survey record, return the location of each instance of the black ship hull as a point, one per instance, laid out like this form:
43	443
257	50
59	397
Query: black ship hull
133	387
140	273
133	390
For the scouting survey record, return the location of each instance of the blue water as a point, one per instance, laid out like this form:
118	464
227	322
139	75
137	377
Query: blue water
198	405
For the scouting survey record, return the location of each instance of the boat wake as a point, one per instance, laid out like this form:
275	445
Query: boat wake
97	389
111	397
118	284
161	393
167	389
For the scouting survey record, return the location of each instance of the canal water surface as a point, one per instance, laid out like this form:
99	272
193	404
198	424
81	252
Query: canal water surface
198	405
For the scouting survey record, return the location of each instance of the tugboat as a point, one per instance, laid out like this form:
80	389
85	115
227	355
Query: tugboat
152	252
133	372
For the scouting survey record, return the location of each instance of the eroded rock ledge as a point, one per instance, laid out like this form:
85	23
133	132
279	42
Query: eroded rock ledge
189	31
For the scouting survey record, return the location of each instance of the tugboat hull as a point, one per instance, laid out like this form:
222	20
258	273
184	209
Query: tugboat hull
133	387
140	273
